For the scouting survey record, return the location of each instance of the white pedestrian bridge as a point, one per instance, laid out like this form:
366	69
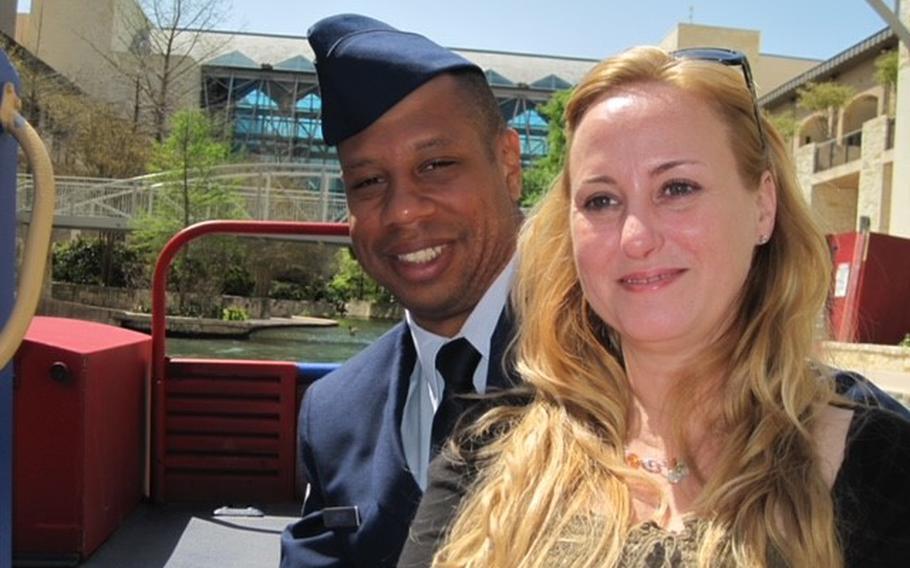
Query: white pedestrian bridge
269	191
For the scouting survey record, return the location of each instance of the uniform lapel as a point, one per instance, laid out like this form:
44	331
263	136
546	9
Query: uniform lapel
395	488
394	485
501	373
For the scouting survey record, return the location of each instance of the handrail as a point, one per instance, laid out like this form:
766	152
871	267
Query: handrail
249	168
285	196
34	259
331	232
853	138
832	153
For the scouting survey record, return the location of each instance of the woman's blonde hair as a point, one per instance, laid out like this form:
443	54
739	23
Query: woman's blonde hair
558	467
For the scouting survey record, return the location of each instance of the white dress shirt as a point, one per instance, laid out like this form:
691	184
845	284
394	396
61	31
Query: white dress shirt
426	386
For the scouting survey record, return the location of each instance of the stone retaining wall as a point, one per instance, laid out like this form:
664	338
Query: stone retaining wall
865	356
139	300
888	366
370	310
74	310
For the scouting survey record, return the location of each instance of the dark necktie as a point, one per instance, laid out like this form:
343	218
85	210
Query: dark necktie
456	362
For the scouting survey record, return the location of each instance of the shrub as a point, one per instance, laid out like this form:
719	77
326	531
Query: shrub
538	178
101	261
785	123
352	283
823	96
234	314
238	281
287	291
887	66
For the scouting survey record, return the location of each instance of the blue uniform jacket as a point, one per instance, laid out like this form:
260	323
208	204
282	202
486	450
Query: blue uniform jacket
351	451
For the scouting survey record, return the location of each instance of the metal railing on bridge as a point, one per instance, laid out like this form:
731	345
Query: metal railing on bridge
272	192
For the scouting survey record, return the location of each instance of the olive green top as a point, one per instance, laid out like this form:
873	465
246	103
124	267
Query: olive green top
647	545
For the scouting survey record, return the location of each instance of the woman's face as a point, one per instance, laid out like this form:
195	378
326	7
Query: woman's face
663	228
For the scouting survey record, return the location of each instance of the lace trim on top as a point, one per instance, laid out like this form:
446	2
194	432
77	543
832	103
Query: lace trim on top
647	546
650	545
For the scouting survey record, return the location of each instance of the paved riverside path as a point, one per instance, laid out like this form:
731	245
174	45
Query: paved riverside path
178	326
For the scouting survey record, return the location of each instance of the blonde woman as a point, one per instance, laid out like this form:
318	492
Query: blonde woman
669	291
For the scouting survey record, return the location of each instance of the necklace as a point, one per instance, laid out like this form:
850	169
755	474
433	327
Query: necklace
673	469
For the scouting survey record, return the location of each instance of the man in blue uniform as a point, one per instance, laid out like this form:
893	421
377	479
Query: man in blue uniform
432	178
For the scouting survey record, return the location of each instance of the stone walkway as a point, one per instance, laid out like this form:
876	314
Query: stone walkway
178	326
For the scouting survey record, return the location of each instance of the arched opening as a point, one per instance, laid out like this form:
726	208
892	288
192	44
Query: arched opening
813	130
859	110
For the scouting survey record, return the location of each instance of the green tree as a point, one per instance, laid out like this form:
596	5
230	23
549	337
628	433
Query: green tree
886	67
165	43
352	283
85	137
886	70
289	269
188	193
785	123
105	261
538	178
827	98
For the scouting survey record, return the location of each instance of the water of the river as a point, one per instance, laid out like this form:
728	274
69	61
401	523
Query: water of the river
309	344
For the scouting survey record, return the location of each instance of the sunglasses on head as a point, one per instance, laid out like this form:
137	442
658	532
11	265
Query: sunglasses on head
732	58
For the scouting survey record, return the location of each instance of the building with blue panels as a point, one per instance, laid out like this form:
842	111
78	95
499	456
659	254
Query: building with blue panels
265	87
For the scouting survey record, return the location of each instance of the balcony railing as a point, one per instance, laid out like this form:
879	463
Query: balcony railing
830	154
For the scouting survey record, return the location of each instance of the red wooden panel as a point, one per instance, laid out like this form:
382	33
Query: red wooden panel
222	425
229	431
234	489
224	387
214	465
238	444
239	369
238	407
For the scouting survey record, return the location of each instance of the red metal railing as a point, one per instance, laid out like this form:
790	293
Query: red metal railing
337	232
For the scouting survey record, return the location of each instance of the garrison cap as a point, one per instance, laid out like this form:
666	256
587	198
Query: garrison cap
366	66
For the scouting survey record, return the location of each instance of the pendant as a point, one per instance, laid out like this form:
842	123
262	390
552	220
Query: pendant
672	470
677	473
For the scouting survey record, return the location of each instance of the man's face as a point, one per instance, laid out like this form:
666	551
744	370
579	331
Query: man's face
432	203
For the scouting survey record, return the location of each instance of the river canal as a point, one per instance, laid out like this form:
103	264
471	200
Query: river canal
308	344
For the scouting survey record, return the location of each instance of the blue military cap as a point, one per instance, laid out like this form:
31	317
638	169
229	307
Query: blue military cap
366	66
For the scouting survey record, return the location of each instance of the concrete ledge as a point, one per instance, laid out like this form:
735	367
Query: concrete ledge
890	381
888	366
178	326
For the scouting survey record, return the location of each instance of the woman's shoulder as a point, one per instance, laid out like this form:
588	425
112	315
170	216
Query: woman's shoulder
875	425
872	492
858	390
878	445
